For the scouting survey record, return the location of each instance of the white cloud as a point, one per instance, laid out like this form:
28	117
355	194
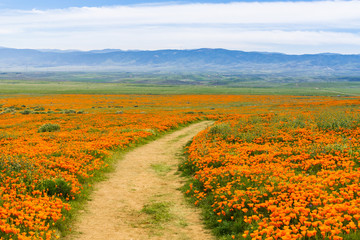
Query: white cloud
7	31
321	12
292	27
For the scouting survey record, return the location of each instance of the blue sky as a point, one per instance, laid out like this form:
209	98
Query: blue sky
49	4
294	27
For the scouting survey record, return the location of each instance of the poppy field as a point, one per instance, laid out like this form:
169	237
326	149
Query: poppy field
272	167
289	173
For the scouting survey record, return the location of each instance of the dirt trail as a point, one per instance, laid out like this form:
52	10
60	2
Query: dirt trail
145	178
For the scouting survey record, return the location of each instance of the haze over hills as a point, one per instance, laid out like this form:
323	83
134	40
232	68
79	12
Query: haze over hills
197	60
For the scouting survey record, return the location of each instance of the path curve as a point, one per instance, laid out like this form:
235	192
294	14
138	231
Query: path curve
145	176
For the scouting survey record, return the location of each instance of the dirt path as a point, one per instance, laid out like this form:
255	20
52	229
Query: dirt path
141	200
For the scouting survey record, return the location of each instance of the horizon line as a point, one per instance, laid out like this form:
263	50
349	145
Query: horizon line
171	49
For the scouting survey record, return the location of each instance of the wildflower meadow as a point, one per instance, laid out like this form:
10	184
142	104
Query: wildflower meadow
271	167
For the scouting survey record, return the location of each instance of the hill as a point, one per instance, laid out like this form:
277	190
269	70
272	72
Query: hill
196	60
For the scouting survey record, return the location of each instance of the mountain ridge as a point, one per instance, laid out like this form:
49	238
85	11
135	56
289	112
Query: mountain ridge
200	60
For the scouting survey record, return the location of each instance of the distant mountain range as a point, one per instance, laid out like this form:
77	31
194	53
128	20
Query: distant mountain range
197	60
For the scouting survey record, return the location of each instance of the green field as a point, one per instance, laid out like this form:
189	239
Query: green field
176	83
258	88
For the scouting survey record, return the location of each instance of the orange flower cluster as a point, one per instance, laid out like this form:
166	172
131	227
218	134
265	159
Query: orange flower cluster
42	168
280	176
50	146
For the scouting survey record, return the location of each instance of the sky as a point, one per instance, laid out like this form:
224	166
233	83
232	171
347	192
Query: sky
292	27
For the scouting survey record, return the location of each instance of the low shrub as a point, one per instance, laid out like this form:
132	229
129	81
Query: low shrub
49	127
57	187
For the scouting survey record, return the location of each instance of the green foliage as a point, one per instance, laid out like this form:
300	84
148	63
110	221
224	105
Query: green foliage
8	110
49	127
159	212
38	109
336	120
161	168
69	111
222	130
58	187
14	164
26	112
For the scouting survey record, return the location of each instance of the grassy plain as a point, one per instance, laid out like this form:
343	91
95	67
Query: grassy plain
253	88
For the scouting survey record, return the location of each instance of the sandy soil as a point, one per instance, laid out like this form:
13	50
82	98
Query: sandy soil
147	175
